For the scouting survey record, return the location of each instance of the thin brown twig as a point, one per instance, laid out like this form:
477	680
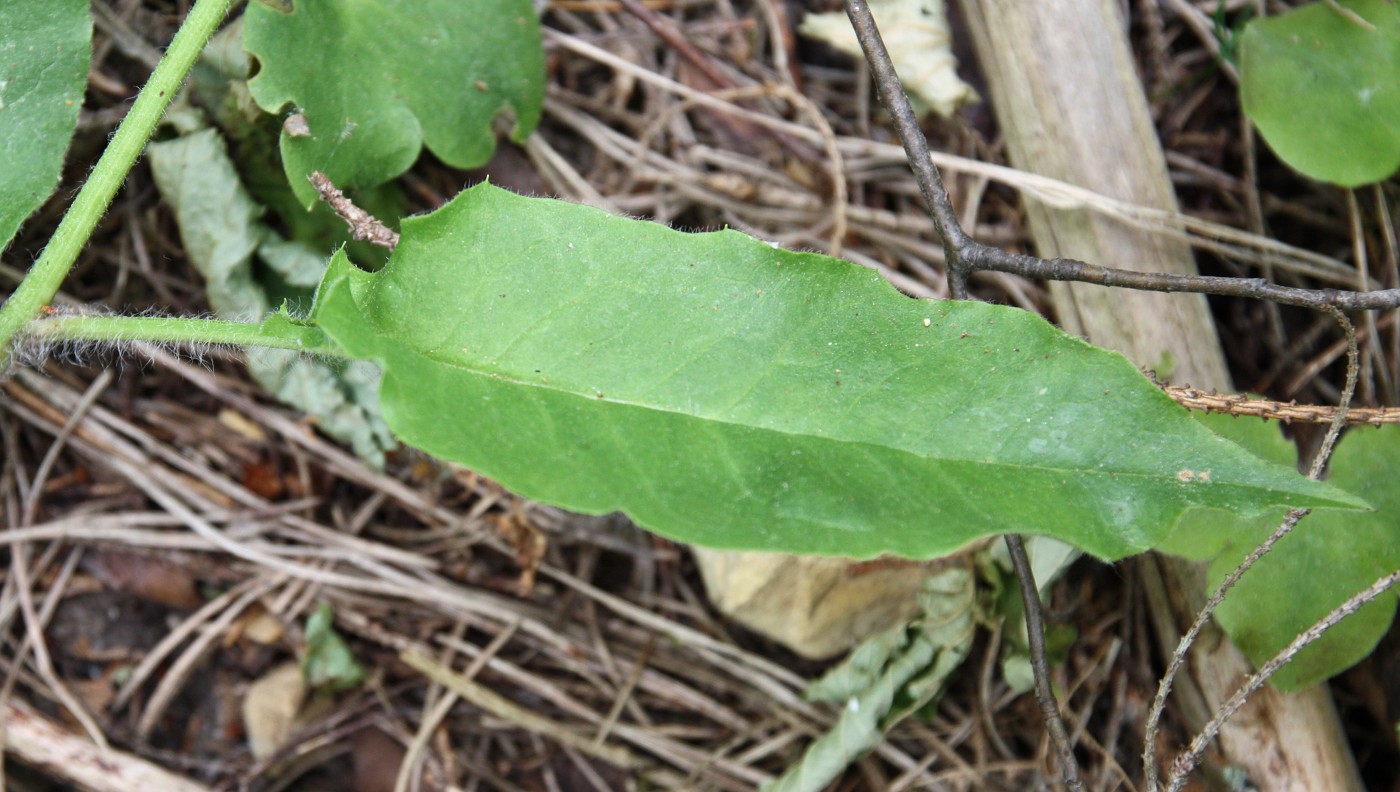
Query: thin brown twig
1188	761
43	661
1288	412
956	245
1035	634
502	707
1290	520
364	227
667	32
41	474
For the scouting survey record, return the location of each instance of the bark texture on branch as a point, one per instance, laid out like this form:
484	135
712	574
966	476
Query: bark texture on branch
1071	106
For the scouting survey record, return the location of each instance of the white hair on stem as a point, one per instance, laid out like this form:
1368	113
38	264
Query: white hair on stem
32	349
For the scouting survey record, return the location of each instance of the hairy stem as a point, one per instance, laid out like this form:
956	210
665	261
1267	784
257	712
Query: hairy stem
179	330
47	274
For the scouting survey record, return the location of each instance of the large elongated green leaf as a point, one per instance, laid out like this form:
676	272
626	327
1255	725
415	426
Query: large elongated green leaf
1324	88
732	394
376	79
1328	557
44	53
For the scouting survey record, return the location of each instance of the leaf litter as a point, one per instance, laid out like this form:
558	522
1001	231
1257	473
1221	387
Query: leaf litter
614	641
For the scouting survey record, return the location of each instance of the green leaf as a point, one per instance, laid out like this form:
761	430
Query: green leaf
887	678
728	393
328	662
1325	90
219	83
377	79
249	270
1198	534
44	53
1328	557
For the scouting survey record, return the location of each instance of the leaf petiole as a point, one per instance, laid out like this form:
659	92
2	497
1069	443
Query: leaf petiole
279	331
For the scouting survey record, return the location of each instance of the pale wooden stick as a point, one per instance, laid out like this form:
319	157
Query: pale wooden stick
43	744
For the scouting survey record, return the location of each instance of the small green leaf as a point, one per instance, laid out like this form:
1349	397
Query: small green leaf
1324	89
377	79
728	393
328	662
44	53
219	85
1328	557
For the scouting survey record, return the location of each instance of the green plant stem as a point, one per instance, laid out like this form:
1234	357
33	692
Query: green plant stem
47	274
179	330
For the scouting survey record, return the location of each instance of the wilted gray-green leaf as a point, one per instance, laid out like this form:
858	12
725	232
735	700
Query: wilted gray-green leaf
728	393
223	236
44	52
328	662
887	678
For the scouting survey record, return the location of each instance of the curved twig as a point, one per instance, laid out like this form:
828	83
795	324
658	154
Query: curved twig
1188	761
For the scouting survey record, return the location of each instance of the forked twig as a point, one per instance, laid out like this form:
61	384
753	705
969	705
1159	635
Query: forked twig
965	256
1187	761
956	243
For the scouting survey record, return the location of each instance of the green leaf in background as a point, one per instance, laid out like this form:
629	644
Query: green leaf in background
219	85
377	79
328	663
887	678
725	392
44	53
1328	557
249	270
1324	89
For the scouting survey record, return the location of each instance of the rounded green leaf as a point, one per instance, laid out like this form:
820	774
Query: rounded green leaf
729	393
44	53
1328	557
1324	89
376	79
